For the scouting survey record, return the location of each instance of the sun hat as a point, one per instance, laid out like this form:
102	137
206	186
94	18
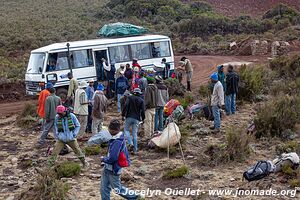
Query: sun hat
214	76
60	109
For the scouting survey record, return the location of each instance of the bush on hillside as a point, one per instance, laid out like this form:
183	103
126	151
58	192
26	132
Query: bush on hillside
277	115
236	147
174	87
176	173
67	169
28	116
47	186
282	11
284	66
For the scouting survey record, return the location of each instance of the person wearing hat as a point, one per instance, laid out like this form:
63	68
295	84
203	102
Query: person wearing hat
128	73
41	102
52	101
133	113
90	94
123	99
73	86
135	63
221	76
120	70
121	86
162	99
217	101
143	82
151	96
110	178
66	127
135	78
186	65
99	109
81	107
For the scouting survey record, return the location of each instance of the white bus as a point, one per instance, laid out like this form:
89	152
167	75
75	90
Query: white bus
51	63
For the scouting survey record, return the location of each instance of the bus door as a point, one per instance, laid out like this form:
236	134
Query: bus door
101	58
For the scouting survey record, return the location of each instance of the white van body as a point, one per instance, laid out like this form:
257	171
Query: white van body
50	63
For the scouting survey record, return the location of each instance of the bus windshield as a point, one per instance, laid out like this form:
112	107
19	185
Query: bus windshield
36	63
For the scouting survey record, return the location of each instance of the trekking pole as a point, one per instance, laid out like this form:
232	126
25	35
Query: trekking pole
168	151
172	120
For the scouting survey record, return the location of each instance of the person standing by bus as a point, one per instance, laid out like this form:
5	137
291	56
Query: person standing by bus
73	86
81	107
99	109
121	86
135	79
188	67
166	72
90	94
135	63
151	97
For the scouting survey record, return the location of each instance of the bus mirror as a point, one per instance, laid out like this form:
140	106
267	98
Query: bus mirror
51	78
40	70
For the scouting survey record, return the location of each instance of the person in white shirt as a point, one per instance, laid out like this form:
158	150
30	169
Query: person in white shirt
81	107
217	101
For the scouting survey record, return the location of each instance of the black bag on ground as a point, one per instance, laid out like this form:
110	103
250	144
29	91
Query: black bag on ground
259	171
207	111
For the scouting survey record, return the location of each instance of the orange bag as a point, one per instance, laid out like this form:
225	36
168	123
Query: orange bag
171	106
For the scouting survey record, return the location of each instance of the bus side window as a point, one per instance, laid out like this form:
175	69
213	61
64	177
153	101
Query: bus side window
155	46
82	58
52	62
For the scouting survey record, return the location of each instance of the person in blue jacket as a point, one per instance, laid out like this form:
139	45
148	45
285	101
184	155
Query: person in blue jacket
66	129
121	86
110	178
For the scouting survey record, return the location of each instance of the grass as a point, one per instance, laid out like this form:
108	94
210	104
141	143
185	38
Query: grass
28	116
93	150
176	173
47	186
67	169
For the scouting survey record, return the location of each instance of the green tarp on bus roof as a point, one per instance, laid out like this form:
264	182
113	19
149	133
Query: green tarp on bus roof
121	29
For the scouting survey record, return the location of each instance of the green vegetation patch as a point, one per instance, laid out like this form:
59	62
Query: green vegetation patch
67	169
176	173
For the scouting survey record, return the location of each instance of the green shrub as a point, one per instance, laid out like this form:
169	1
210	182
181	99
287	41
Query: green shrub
291	146
277	115
186	100
28	116
174	87
92	150
47	186
176	173
288	171
67	169
287	67
294	183
251	82
205	90
236	147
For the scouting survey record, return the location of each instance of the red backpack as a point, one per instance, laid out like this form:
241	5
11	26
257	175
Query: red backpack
122	159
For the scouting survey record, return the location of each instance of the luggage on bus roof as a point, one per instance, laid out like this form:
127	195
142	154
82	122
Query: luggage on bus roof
121	29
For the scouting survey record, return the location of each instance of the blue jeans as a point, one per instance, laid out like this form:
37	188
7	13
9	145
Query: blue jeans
134	123
230	103
119	104
217	117
159	117
111	181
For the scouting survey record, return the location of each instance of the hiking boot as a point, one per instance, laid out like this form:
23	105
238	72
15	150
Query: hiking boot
212	127
215	131
86	164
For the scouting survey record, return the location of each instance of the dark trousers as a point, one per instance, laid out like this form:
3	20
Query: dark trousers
90	119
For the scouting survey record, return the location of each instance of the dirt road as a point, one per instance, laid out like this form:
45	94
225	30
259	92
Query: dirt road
203	67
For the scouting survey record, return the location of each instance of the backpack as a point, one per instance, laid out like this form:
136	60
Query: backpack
123	160
207	111
178	113
259	171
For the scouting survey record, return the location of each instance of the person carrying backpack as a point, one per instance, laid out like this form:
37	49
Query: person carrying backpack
117	158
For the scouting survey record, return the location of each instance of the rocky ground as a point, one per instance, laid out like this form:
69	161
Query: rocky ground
17	149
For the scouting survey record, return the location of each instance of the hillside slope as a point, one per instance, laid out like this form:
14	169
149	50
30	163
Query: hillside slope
248	7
